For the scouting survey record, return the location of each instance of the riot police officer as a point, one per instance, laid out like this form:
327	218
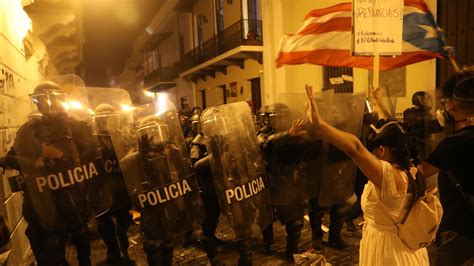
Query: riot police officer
291	154
63	149
208	194
238	173
419	121
193	125
162	187
261	118
113	234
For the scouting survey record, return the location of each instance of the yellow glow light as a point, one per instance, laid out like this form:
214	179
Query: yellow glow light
75	104
66	105
162	103
126	108
149	94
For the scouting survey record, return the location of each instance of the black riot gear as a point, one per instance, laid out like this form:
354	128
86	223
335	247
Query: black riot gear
61	166
290	161
159	179
113	233
420	124
422	100
237	171
195	121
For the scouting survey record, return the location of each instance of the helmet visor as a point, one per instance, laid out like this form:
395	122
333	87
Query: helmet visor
50	103
156	133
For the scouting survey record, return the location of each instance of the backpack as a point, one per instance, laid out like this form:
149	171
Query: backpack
421	222
419	227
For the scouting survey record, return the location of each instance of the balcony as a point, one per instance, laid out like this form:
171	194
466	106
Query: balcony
161	79
245	34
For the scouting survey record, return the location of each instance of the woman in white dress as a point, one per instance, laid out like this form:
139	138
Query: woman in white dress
388	194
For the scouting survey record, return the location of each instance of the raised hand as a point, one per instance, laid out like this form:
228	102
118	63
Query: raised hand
144	144
311	110
297	128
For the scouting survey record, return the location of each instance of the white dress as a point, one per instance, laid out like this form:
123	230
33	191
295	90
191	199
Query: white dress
380	244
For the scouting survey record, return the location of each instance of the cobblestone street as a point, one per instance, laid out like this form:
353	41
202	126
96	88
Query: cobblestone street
194	254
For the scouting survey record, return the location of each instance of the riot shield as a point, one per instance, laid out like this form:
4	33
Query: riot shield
344	111
157	172
434	132
237	166
111	111
294	163
60	161
78	103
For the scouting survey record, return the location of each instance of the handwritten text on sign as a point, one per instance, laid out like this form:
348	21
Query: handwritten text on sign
378	27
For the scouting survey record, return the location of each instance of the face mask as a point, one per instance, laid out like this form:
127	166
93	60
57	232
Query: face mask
443	117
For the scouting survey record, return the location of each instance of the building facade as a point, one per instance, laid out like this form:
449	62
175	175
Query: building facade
210	52
38	40
201	53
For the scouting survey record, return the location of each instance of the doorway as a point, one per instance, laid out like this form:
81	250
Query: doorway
256	94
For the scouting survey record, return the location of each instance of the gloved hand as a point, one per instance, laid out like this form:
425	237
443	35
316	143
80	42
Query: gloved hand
144	144
50	151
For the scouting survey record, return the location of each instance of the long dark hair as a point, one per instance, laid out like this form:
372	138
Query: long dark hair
397	141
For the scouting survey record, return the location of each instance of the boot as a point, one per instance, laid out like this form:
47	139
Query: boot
293	235
337	243
113	257
267	239
351	226
245	253
335	228
210	247
315	215
106	228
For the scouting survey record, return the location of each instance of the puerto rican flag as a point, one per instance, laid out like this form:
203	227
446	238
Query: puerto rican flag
326	38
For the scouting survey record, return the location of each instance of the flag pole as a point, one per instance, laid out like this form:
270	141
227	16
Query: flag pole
378	105
376	74
454	64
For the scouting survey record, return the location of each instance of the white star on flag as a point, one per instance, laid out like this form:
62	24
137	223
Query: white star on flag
430	31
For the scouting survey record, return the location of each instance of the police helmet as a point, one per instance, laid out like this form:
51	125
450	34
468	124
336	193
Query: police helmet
422	99
104	109
196	123
103	115
49	98
279	116
197	110
154	129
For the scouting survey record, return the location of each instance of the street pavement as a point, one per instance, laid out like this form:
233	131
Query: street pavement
195	255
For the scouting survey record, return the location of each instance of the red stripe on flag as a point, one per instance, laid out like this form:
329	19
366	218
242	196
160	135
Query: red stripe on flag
335	24
417	4
329	57
420	4
328	10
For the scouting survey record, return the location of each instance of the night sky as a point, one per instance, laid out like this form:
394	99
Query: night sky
110	29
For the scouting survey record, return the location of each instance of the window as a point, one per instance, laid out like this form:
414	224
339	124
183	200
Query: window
333	79
151	62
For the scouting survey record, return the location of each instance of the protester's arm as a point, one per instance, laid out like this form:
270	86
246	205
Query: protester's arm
346	142
379	106
428	169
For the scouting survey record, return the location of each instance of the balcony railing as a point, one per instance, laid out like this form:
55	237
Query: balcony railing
243	32
163	74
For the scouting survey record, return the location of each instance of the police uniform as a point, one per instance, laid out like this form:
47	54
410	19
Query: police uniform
48	245
278	147
114	235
